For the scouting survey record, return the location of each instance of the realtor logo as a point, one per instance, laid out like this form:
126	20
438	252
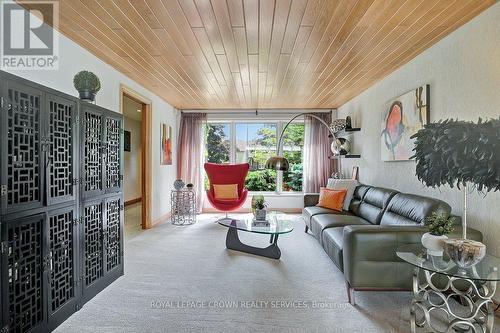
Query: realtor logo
29	38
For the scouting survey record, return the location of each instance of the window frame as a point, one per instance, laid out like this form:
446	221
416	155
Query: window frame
280	123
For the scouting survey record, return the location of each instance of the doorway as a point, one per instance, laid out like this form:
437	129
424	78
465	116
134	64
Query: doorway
136	111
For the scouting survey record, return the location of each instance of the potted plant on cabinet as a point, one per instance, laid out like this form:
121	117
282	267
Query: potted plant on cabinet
87	84
439	226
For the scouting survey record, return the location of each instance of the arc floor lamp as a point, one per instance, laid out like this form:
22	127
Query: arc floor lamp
279	162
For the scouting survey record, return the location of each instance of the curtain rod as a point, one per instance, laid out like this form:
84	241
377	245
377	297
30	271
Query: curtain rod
256	112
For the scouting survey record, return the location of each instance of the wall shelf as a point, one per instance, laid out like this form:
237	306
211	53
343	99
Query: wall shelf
345	156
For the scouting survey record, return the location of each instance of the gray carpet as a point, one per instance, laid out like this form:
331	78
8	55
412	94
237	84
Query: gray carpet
183	279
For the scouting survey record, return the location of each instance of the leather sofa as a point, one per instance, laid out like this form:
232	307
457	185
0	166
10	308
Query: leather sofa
363	241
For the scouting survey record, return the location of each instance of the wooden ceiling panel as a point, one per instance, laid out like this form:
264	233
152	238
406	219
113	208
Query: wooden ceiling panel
209	54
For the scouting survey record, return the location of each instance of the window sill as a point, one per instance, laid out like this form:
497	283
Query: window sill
274	194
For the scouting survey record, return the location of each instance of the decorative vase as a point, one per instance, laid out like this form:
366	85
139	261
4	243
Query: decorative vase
87	95
260	214
434	244
178	184
464	252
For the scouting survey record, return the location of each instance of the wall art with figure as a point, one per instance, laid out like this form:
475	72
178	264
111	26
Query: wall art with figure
166	144
404	116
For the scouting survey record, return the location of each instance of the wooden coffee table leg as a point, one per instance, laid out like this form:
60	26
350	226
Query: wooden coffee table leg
233	243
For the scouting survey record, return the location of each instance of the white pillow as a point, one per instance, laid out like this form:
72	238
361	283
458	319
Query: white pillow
339	184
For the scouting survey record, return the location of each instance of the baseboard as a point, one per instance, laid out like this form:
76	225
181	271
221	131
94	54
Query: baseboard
162	219
133	201
248	210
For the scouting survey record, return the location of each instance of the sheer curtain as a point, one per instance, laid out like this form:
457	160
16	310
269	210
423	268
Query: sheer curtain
317	165
190	152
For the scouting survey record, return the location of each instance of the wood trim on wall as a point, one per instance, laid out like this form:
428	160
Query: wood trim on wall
248	210
132	201
147	169
162	219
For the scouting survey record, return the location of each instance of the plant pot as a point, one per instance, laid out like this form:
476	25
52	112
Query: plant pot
87	95
434	244
260	214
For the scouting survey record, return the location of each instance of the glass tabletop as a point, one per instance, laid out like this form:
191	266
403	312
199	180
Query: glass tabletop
485	270
279	223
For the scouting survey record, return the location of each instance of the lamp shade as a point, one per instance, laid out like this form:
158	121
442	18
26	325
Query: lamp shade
458	152
278	163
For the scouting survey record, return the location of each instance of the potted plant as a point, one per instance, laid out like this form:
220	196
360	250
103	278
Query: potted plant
439	226
259	206
87	84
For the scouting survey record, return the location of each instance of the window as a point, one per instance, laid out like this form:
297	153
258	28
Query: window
257	141
217	143
293	144
237	142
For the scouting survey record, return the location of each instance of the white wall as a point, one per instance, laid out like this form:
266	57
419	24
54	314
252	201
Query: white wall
132	161
463	71
72	59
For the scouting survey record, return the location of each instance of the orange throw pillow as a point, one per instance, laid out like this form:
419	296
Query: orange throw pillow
226	191
332	199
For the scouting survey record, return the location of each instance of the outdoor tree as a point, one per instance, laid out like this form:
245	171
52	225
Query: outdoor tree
217	144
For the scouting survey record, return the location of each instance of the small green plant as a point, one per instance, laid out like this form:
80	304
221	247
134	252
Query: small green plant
438	224
258	202
87	81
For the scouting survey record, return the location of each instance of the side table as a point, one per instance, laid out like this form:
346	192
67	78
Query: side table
438	284
183	203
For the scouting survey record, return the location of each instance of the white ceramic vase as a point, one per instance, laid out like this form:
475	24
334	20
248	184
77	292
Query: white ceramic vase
434	244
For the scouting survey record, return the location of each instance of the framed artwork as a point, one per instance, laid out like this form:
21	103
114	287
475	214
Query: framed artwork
355	173
404	116
166	144
126	140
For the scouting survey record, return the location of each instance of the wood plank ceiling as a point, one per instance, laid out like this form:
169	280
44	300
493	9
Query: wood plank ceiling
208	54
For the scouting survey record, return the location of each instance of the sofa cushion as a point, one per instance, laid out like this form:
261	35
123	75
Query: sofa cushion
324	221
348	184
411	209
332	243
374	203
309	212
357	197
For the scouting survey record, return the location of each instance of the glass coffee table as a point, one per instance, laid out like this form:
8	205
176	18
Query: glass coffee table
437	285
279	223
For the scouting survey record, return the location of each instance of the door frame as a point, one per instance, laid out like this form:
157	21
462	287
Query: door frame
146	165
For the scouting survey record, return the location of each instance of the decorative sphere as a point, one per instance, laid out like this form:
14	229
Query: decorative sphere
341	146
178	184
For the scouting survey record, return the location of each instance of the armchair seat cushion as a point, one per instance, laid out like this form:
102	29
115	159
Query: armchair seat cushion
332	243
325	221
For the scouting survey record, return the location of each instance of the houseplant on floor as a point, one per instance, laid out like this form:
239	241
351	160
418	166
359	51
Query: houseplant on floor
87	84
439	226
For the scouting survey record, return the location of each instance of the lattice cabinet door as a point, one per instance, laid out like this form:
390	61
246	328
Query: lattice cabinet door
92	247
61	149
62	265
24	274
113	233
92	149
113	166
21	142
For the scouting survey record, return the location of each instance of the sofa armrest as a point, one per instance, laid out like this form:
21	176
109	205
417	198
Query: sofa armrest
368	246
311	199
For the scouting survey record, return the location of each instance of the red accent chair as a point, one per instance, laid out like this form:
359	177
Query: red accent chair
221	174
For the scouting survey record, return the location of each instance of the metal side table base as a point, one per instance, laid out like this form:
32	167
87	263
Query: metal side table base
234	243
478	314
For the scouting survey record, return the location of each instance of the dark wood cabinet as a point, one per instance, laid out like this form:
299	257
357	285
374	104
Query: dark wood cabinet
61	204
